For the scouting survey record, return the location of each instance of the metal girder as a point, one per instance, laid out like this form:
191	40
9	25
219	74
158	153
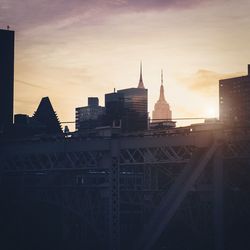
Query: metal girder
218	198
114	201
80	153
151	155
237	149
126	169
81	202
54	161
173	198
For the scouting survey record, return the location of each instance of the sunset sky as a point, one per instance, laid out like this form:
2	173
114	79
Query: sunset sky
69	50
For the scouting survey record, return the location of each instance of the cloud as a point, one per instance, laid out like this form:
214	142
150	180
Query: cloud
206	81
32	13
159	4
19	101
30	84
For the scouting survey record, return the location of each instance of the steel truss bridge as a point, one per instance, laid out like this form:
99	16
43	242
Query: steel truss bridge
181	191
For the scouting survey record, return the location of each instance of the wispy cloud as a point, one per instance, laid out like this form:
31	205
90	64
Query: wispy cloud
22	101
30	13
30	84
206	81
158	4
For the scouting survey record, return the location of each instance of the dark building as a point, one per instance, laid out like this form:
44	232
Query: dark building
90	116
93	101
128	108
43	122
45	119
7	38
21	119
23	127
234	94
114	106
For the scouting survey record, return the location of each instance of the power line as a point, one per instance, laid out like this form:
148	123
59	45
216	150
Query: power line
184	118
173	119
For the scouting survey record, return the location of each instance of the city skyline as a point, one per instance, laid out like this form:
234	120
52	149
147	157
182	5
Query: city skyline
124	124
87	49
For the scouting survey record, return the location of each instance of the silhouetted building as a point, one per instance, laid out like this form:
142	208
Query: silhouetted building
23	127
128	108
21	119
93	101
162	110
235	99
90	116
7	38
46	118
43	122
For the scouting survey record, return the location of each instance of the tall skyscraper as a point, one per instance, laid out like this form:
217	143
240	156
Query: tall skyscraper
7	38
128	106
235	99
161	110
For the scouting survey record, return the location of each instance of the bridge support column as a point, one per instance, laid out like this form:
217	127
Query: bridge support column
218	199
63	216
114	213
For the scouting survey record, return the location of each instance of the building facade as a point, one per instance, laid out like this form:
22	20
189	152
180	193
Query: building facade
90	116
161	110
7	40
128	108
234	94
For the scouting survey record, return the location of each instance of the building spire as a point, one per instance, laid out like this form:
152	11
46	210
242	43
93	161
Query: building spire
162	111
161	77
162	96
141	85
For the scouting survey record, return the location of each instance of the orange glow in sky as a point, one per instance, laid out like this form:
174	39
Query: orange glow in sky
69	50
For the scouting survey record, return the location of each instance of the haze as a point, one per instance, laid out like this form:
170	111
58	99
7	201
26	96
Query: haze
69	50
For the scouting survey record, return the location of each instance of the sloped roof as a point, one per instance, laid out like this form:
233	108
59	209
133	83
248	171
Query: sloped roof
46	116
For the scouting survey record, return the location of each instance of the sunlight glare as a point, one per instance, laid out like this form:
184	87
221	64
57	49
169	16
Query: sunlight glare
211	112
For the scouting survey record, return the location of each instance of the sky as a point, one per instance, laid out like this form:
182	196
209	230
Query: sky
69	50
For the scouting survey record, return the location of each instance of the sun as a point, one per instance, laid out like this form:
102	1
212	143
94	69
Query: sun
211	112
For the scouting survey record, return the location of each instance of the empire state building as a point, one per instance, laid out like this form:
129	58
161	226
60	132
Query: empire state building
162	110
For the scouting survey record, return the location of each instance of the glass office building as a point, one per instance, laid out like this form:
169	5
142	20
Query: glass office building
127	108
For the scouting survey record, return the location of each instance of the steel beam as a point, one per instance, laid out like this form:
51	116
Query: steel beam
173	198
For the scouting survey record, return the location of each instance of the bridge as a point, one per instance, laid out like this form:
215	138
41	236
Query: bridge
155	191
